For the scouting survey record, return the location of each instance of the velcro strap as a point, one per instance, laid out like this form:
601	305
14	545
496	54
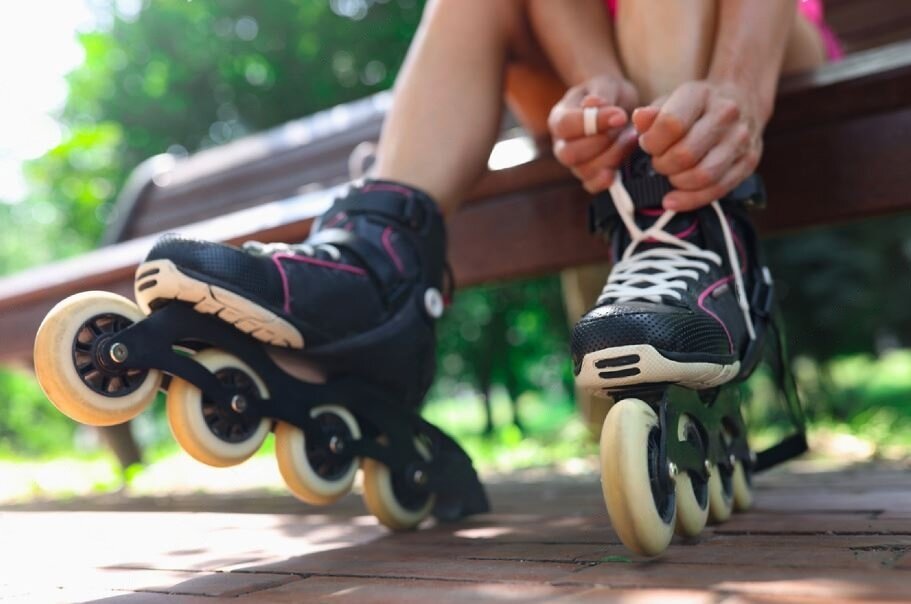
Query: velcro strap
647	191
374	259
602	211
402	207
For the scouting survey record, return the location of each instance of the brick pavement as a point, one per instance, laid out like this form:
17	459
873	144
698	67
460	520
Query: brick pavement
813	537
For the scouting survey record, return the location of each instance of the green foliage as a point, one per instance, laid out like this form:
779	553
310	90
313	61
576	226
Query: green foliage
28	424
182	76
512	334
845	290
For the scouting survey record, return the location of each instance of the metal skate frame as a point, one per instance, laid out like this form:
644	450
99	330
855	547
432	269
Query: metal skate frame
157	342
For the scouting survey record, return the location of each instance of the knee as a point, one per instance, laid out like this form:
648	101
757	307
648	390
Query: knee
508	15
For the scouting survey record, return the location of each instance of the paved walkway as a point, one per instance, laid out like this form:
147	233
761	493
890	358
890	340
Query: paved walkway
813	537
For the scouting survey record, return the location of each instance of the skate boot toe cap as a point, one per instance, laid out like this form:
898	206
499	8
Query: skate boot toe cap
218	264
671	330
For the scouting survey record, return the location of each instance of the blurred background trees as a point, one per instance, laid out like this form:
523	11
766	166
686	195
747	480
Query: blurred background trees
180	76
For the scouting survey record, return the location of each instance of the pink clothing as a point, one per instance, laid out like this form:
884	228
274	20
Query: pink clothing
812	10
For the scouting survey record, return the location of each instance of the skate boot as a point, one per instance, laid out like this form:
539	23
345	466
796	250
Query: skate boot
684	311
330	343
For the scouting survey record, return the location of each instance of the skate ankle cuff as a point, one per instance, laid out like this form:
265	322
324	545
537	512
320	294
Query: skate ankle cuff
750	193
397	203
647	193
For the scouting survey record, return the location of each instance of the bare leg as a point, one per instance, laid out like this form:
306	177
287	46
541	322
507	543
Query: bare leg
449	94
664	44
448	97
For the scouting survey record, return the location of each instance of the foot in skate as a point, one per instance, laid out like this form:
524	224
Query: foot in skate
676	307
362	259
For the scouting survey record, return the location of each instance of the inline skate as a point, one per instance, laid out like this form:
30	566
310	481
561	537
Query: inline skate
329	343
686	310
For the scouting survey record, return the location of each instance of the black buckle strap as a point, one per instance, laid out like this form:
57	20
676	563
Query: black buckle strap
386	276
648	192
393	202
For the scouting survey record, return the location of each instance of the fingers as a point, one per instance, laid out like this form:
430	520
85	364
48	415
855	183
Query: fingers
574	152
598	173
715	176
644	117
568	124
706	134
676	117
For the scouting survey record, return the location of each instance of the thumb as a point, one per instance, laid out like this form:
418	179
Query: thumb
644	117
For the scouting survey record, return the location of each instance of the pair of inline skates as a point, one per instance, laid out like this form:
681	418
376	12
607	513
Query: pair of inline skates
330	345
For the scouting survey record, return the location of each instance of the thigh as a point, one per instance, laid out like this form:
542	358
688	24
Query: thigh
806	45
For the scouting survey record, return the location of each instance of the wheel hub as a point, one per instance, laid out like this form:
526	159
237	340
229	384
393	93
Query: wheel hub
236	421
95	357
326	452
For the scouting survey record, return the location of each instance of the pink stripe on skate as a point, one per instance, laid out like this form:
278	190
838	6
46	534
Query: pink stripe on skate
701	301
651	212
387	243
277	258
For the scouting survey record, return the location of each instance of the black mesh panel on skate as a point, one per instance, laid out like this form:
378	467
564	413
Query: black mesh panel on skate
677	332
221	265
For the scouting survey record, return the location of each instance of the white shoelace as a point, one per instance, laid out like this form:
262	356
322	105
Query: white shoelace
661	271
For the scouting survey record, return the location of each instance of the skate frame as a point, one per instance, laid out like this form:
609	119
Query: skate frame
161	341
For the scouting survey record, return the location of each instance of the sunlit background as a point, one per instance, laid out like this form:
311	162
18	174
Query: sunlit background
91	88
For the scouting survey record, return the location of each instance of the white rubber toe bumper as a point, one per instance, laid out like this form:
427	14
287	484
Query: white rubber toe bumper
161	280
643	364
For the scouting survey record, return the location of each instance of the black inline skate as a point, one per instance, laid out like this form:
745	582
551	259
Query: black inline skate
686	310
330	343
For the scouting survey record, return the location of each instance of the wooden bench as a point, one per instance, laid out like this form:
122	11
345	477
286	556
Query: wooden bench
837	149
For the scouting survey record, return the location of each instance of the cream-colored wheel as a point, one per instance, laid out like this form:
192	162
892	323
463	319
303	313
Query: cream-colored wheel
389	499
83	386
691	491
211	434
641	510
721	497
742	485
317	475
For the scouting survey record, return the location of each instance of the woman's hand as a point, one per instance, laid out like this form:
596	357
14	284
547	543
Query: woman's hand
594	158
705	137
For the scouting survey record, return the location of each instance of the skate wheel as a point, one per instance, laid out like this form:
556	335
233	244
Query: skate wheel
741	483
691	491
71	375
215	436
390	498
721	496
641	510
317	475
